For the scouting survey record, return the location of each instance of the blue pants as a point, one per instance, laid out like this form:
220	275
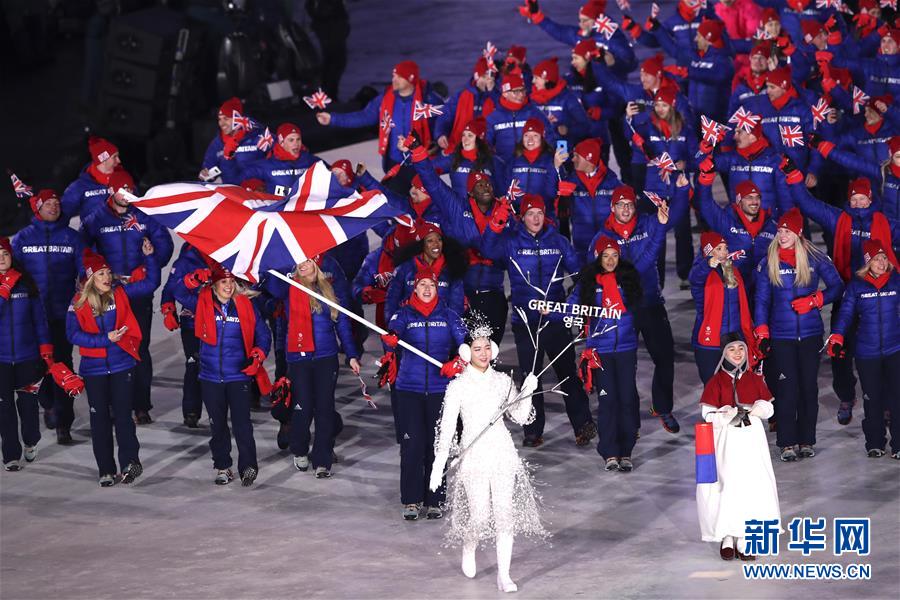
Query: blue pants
312	394
618	415
707	360
554	338
12	409
419	414
143	371
494	306
109	397
796	368
880	379
653	324
191	402
220	399
51	395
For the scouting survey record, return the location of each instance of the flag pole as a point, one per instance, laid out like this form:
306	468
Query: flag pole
354	316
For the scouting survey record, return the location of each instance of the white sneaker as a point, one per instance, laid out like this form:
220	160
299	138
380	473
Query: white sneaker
12	465
30	453
301	463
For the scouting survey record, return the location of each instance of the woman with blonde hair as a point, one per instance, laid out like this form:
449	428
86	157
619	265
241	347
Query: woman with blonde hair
311	345
789	326
101	323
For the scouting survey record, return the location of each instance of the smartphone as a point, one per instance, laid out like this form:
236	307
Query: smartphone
563	146
212	173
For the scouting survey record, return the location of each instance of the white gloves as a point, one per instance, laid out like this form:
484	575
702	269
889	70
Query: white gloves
762	409
723	416
437	472
529	385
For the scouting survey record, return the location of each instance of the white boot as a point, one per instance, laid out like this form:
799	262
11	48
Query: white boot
468	559
504	557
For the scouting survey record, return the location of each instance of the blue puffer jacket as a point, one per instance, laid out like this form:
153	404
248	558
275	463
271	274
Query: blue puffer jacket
681	31
222	362
593	96
280	176
438	335
246	152
878	311
368	274
884	183
565	110
23	325
742	92
459	223
709	75
459	177
726	221
370	116
431	212
537	256
611	331
617	45
795	113
120	238
451	291
640	242
83	196
773	303
872	148
538	177
444	123
827	216
731	311
504	130
879	73
589	211
51	253
681	147
188	261
762	169
790	18
117	360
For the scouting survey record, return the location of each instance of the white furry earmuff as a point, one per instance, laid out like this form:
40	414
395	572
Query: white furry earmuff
465	351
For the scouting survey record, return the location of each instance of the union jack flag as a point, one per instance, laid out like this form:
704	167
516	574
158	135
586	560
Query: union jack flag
737	255
666	166
712	130
265	141
318	100
791	135
130	222
605	25
744	119
221	222
888	4
828	3
654	10
488	53
426	111
239	121
514	190
762	34
820	111
655	198
19	187
623	5
859	100
387	123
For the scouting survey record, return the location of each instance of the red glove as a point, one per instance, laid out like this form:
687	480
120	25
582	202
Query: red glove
804	304
707	171
595	112
453	367
825	147
196	278
373	295
279	310
390	339
8	282
531	11
835	38
499	216
836	346
823	56
46	351
170	319
230	144
589	361
566	188
281	392
865	24
789	168
637	140
254	362
71	383
419	153
633	29
828	84
387	369
761	333
676	70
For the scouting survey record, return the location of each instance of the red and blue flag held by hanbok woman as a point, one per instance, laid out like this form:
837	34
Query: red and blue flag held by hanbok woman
705	453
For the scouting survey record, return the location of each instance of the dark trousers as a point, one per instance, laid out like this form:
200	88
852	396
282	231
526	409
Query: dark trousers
554	338
13	409
419	414
707	360
843	381
51	395
191	402
796	367
143	371
618	415
622	149
220	399
653	324
684	252
109	397
494	306
312	395
880	379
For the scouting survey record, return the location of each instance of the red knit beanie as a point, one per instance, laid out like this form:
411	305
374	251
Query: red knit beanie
408	70
119	179
5	244
604	243
92	262
478	126
512	81
712	31
780	77
860	185
38	200
533	125
530	201
586	49
894	145
709	240
653	65
473	179
286	129
623	192
589	150
101	150
744	189
792	220
231	106
547	70
871	247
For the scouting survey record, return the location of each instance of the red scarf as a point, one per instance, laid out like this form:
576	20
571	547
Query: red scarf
532	155
237	134
425	308
282	154
880	230
873	129
753	149
436	267
755	82
720	390
662	125
205	327
611	296
300	328
544	96
895	169
420	207
752	227
481	222
780	102
713	306
591	183
788	255
878	282
387	106
132	338
623	230
465	112
98	176
469	154
513	106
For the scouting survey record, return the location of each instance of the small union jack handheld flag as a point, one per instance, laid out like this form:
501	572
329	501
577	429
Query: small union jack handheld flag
318	100
426	111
